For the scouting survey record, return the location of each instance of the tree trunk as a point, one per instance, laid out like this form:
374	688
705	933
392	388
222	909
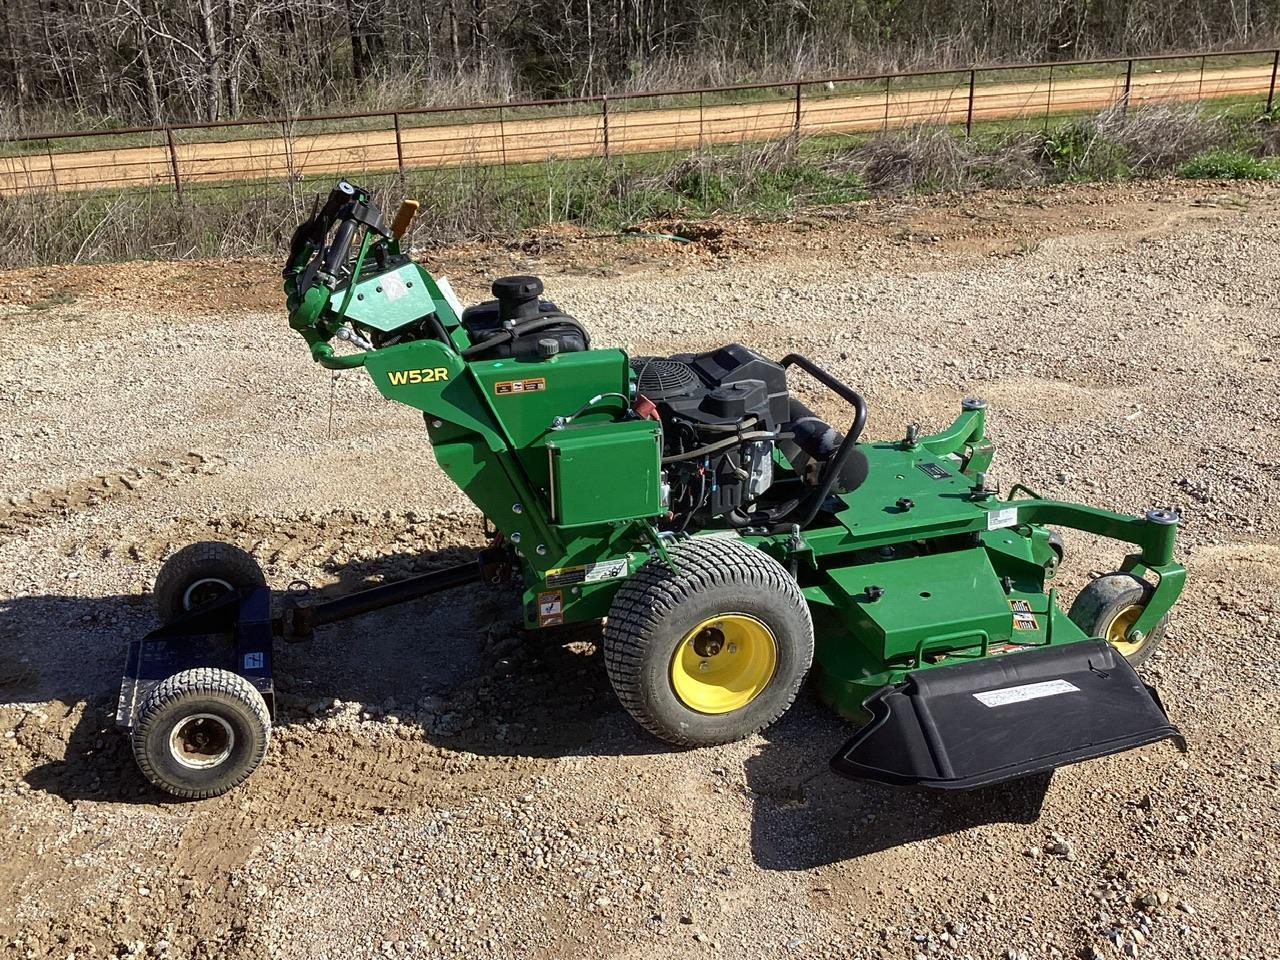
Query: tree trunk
212	62
148	69
19	66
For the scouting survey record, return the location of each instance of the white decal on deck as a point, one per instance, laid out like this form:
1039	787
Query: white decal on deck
1025	691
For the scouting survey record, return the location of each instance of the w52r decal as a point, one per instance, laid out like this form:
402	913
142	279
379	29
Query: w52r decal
399	378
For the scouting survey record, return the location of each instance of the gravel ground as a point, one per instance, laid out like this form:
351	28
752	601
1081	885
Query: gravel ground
443	785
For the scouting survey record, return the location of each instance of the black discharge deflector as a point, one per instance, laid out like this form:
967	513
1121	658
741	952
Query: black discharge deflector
1003	717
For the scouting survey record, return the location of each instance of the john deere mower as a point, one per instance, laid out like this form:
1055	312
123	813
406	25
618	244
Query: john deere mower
733	542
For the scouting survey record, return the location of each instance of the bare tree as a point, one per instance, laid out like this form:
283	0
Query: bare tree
108	62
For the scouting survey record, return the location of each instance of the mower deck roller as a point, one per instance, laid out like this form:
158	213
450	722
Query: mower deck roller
735	543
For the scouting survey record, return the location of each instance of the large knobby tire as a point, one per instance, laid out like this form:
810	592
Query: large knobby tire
201	732
200	573
1108	606
713	650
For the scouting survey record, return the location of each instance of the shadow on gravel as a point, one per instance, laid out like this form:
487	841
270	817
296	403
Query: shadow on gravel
457	670
806	816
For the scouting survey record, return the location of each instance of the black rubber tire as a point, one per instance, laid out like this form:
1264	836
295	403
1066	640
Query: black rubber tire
207	560
231	699
1103	599
656	608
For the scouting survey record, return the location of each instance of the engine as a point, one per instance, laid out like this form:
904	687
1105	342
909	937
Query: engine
724	414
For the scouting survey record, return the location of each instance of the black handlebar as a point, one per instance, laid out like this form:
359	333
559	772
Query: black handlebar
336	255
834	466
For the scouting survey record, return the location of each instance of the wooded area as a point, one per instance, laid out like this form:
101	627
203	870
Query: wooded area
98	63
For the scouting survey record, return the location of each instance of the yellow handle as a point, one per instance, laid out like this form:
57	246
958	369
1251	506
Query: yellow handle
404	216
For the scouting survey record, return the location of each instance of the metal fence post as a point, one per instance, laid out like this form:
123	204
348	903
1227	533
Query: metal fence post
173	161
1271	94
604	120
884	128
968	119
1128	87
701	133
53	171
1048	99
796	130
502	134
395	118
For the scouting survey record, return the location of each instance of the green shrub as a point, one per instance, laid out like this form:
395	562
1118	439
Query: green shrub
1228	164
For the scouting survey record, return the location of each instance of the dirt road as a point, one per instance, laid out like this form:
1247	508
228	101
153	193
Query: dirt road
628	131
442	786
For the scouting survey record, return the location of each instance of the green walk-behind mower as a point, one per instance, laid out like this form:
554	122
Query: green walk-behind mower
733	542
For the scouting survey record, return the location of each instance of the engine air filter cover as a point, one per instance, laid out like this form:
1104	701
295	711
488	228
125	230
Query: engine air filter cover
659	377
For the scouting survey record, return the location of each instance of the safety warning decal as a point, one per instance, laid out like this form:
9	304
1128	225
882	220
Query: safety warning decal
550	608
1023	692
587	573
1023	619
393	287
508	387
1005	517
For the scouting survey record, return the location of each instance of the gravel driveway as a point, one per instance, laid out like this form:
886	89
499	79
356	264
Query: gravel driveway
442	785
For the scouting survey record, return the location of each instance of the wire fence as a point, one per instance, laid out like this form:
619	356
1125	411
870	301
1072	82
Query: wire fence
523	135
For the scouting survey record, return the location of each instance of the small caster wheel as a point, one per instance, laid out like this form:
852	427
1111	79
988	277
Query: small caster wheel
201	573
201	732
1109	606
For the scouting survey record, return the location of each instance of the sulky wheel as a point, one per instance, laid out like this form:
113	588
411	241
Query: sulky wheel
712	650
201	732
200	573
1109	606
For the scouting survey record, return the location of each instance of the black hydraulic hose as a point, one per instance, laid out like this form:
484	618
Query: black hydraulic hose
530	326
438	329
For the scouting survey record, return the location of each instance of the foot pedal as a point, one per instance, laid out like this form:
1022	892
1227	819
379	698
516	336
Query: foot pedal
1003	717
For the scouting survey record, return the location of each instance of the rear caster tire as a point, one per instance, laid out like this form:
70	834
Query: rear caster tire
201	732
1107	608
201	573
713	650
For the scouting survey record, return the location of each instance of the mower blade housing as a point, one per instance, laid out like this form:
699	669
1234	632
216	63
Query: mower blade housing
1002	717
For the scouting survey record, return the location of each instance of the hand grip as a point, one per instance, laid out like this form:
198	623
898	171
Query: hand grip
404	217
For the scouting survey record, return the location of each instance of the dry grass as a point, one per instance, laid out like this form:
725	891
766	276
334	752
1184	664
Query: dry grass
1160	137
927	158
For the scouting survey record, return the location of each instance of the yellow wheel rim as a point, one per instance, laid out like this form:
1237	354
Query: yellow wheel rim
1118	631
724	663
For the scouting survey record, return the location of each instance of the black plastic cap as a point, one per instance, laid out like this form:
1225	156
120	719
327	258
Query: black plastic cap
517	288
517	297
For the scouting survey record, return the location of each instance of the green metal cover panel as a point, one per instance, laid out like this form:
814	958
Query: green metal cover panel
605	472
526	395
934	602
388	300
